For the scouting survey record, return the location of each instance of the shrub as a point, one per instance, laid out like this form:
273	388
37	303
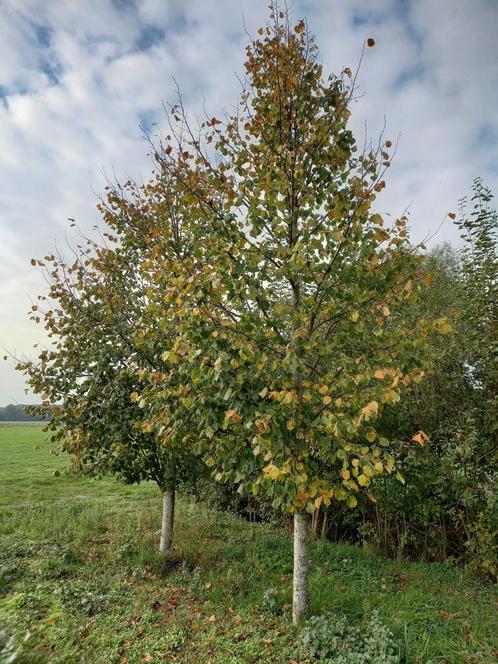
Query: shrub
331	638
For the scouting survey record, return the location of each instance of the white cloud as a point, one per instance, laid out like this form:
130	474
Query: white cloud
76	79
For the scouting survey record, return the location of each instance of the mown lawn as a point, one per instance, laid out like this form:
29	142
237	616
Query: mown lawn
80	579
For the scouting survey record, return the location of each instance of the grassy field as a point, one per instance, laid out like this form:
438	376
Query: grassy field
80	580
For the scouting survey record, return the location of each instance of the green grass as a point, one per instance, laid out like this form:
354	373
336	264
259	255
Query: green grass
80	579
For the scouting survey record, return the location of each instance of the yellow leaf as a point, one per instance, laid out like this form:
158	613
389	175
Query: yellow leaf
273	472
443	326
340	494
327	400
354	316
324	389
371	435
174	358
381	235
345	474
363	480
318	502
212	618
352	502
302	494
291	425
390	396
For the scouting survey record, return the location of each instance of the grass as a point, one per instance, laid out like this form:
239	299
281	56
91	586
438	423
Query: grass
80	579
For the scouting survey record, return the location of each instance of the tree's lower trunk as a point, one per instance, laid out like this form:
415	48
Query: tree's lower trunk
300	600
168	518
325	522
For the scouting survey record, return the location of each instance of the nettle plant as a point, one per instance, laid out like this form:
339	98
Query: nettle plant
296	304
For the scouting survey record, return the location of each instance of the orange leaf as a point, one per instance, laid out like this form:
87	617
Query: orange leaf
232	415
421	438
371	408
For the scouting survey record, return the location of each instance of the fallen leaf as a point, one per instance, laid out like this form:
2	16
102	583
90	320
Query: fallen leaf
86	631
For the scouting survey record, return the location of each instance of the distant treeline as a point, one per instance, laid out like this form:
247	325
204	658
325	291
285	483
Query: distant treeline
17	413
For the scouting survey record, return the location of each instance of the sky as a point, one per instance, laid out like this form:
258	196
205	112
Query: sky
78	80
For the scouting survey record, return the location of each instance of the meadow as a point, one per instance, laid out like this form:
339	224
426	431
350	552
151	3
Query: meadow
81	581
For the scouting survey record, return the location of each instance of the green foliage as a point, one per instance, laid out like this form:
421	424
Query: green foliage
479	228
294	302
447	507
332	638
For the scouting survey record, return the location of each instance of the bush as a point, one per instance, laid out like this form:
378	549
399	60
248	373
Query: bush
331	638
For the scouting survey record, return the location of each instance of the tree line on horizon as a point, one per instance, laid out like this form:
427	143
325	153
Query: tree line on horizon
20	413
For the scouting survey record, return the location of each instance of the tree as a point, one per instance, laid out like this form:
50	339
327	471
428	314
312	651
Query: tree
479	231
96	315
296	326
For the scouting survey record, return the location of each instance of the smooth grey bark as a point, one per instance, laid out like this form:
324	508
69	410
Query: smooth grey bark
168	518
300	598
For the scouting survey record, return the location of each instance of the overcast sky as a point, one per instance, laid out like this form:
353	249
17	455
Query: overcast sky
77	79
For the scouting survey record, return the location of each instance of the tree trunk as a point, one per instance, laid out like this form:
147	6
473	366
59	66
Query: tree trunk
300	599
168	518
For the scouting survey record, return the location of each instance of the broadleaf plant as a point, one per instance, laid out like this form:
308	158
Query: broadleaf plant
295	301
